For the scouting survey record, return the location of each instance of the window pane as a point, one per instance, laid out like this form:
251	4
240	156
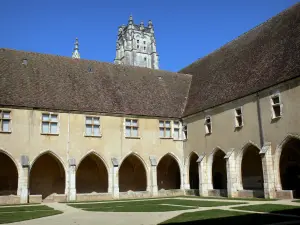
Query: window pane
5	125
97	120
176	134
53	127
161	132
161	123
54	118
6	115
128	122
45	117
134	132
45	127
97	130
168	124
168	132
127	132
88	130
176	124
275	100
88	120
134	123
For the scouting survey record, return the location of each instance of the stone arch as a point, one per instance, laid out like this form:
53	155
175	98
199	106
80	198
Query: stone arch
249	168
287	164
133	173
92	174
216	174
9	174
193	171
168	172
47	175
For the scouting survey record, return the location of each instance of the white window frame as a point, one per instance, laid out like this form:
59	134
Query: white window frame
131	126
49	123
176	125
273	105
207	125
236	116
9	119
93	117
165	128
184	132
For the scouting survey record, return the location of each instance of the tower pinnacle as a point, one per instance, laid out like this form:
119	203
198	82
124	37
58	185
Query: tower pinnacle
75	54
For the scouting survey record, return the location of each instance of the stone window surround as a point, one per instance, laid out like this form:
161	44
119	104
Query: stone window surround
273	105
57	122
208	125
236	115
162	125
131	126
93	124
9	119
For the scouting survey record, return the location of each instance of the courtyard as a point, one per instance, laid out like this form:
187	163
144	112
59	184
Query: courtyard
175	210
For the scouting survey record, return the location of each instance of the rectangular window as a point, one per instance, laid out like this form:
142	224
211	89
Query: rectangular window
138	46
92	126
5	120
208	125
144	42
131	128
176	130
238	118
184	132
165	129
49	123
276	106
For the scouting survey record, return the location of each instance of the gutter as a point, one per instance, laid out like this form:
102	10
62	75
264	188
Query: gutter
260	127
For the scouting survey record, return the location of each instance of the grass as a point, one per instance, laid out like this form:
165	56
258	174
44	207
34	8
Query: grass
221	217
274	208
150	206
20	204
116	200
296	201
24	208
21	216
225	198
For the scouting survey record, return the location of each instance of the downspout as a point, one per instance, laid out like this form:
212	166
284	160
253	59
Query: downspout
260	128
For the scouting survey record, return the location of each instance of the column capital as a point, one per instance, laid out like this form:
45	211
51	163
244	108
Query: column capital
229	153
153	160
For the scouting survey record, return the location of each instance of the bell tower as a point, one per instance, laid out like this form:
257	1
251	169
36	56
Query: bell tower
136	45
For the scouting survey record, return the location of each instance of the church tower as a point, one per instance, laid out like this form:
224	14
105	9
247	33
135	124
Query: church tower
136	45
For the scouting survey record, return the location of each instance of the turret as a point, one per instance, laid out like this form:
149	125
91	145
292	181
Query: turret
75	54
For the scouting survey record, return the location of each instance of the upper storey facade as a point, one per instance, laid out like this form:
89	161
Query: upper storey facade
136	45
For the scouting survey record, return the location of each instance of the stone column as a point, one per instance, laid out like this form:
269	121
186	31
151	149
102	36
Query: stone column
203	190
72	180
186	184
231	174
23	179
154	187
115	177
268	173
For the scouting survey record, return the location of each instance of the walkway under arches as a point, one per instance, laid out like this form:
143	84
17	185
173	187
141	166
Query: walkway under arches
91	175
168	173
132	174
8	175
219	175
47	176
193	171
290	166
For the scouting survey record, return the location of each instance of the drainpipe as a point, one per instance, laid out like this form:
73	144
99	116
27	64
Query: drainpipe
260	128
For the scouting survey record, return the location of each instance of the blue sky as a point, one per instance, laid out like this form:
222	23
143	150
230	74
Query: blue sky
185	30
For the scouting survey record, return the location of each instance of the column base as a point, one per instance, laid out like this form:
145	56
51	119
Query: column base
72	195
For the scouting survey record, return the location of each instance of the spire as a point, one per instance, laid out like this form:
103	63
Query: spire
130	21
150	26
142	25
76	54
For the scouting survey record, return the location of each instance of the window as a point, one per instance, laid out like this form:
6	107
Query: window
138	41
276	106
208	125
131	127
144	42
238	118
165	129
49	123
176	130
5	120
92	126
144	48
184	132
145	59
138	46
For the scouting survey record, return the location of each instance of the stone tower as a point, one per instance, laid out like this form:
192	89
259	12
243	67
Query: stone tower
136	45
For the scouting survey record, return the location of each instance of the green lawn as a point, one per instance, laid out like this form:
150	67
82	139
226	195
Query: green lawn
150	206
222	217
116	200
20	213
274	208
296	201
224	198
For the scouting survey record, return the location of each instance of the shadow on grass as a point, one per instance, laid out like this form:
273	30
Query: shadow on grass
222	217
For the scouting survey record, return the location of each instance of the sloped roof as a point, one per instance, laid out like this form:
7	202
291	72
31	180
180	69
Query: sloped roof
55	82
263	57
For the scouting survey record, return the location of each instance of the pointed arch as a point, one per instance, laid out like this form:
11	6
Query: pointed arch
92	174
133	173
249	167
216	173
9	173
173	156
286	164
193	171
93	152
169	172
47	175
